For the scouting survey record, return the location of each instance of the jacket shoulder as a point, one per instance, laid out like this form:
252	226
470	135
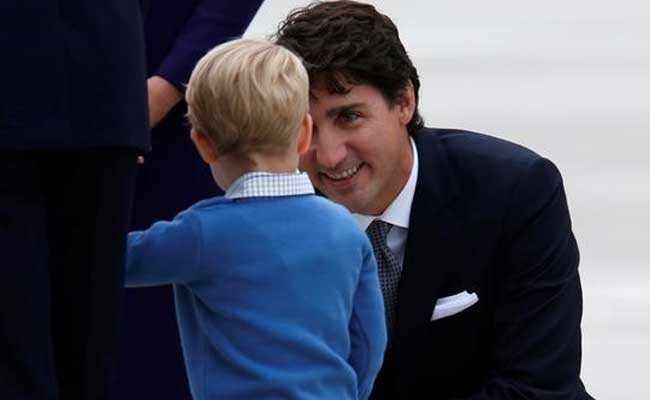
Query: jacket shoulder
472	153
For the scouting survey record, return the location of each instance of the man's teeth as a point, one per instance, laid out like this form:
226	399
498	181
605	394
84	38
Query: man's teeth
344	174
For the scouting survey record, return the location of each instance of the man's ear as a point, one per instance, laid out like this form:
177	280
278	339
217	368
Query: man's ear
304	136
406	104
204	146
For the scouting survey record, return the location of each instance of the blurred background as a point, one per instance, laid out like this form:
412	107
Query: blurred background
569	79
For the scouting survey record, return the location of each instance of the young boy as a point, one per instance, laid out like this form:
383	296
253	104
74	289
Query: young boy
276	289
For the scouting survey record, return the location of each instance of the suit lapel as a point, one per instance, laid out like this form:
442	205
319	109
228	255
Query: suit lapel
435	235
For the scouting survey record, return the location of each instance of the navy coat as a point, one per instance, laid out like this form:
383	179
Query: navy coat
73	75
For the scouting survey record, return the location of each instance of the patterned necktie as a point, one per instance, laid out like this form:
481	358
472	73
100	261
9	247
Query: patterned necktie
389	267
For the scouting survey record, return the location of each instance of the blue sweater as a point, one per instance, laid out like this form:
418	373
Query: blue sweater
276	297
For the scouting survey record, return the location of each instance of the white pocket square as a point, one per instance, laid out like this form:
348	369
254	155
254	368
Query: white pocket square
454	304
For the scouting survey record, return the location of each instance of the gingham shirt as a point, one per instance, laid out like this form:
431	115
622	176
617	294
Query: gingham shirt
267	184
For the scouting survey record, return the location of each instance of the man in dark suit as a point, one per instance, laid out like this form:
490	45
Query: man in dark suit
72	118
177	34
477	261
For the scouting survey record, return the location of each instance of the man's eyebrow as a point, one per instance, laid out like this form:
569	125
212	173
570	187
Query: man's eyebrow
337	110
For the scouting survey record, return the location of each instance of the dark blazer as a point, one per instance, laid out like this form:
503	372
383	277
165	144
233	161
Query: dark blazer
488	217
73	75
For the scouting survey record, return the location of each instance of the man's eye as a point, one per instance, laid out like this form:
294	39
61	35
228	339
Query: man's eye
347	117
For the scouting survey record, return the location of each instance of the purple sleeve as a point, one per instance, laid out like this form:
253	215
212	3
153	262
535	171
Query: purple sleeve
212	22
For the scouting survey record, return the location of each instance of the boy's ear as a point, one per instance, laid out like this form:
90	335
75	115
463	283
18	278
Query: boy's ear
204	146
304	136
406	103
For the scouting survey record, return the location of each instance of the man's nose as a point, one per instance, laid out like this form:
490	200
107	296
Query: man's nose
330	150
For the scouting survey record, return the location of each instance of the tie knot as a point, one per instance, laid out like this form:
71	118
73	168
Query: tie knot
378	231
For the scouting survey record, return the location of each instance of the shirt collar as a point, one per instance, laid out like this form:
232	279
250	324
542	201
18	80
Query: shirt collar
267	184
398	212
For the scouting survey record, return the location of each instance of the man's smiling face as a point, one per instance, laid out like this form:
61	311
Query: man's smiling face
360	154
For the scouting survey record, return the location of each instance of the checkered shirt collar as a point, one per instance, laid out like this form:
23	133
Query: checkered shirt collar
267	184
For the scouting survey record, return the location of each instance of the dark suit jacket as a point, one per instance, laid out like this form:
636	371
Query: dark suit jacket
73	75
488	217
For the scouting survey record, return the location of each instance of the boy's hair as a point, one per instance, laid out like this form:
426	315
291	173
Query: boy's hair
350	42
248	96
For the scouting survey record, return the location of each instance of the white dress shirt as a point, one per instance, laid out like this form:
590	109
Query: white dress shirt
397	213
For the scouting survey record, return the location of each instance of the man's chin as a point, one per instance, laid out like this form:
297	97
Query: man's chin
353	205
348	196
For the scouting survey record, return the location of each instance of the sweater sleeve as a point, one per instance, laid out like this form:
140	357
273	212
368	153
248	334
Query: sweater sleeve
167	252
367	325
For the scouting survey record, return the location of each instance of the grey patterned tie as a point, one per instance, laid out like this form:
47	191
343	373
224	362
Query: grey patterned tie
389	267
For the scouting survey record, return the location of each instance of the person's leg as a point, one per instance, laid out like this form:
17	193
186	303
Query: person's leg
89	205
26	358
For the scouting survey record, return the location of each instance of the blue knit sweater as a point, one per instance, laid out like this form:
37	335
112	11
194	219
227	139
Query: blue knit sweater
276	297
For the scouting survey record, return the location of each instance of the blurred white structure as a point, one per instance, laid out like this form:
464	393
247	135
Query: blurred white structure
571	80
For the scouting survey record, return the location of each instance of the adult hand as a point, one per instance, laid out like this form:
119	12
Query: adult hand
163	96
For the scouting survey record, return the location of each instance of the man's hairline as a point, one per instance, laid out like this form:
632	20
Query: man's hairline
390	103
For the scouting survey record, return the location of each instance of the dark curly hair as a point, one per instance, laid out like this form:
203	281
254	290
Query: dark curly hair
350	42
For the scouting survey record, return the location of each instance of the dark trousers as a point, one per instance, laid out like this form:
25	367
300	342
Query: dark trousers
63	222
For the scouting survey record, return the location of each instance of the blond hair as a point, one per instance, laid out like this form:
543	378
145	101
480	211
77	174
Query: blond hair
248	96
